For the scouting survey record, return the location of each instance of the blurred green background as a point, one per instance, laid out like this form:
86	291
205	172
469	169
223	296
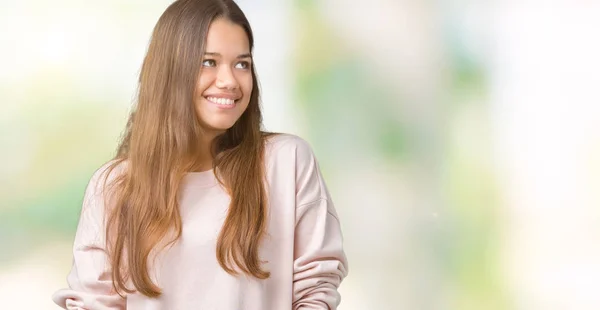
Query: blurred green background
459	139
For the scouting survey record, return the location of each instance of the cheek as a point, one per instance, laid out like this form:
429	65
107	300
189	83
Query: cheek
203	83
247	84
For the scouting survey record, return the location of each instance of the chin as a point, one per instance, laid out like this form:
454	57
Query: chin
221	127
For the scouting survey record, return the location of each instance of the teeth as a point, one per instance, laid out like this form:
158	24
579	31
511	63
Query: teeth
222	101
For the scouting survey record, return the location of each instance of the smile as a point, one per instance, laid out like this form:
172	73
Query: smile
221	101
224	102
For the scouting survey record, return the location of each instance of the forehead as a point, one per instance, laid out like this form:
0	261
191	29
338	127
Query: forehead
226	38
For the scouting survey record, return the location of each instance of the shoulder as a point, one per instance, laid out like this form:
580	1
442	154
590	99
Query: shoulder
110	170
289	157
286	145
105	175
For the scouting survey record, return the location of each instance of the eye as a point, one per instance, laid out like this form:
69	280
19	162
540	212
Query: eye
209	63
242	65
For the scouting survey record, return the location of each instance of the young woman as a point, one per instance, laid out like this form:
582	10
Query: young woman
201	209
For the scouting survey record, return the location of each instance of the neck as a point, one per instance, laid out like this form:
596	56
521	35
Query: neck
204	160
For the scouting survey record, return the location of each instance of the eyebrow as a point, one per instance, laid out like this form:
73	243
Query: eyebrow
242	56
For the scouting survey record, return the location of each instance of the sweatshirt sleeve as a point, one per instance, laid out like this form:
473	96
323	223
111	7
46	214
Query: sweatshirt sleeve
90	283
320	263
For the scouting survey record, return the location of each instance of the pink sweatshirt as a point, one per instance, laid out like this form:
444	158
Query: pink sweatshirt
303	246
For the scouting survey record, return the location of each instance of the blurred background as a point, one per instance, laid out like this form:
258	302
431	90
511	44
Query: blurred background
460	139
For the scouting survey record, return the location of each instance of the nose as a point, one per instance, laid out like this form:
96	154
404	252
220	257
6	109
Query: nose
225	78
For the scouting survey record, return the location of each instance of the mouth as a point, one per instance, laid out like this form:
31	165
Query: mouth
222	101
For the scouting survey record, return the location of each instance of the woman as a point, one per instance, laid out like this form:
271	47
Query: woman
200	209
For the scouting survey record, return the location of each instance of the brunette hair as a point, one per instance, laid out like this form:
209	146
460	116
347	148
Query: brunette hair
159	146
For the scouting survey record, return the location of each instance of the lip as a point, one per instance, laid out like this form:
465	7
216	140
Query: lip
223	95
222	106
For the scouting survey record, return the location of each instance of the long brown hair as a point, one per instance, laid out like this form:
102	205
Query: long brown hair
159	146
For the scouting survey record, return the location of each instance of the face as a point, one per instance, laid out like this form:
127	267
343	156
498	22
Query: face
225	82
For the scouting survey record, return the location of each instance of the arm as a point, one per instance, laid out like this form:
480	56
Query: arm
320	263
319	260
90	283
